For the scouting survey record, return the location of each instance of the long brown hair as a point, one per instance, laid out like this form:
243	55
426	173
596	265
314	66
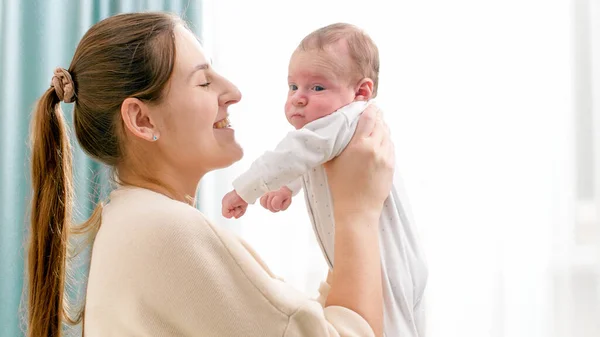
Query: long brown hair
127	55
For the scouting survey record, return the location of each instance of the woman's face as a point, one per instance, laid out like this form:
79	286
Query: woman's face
195	136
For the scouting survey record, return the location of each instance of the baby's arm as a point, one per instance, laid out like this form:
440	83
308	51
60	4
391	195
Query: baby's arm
295	186
300	151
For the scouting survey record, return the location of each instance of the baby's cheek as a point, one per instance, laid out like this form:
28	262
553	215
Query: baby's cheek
288	105
322	110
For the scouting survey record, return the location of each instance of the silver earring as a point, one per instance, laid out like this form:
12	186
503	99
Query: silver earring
154	138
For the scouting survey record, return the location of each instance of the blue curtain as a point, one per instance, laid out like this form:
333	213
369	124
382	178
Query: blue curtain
35	37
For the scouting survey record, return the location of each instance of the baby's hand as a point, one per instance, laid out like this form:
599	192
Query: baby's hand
233	205
277	200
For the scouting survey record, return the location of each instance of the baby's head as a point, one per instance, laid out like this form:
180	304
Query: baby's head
332	67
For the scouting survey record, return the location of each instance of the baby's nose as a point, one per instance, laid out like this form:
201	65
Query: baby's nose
299	101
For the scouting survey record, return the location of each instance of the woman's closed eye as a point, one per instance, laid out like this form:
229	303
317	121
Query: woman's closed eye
205	81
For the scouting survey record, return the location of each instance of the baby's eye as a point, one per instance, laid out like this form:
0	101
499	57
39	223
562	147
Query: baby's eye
293	87
318	88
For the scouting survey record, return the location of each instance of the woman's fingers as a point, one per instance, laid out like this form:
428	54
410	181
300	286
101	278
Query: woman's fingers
379	132
366	123
389	150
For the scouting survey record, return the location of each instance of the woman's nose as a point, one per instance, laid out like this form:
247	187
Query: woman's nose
231	94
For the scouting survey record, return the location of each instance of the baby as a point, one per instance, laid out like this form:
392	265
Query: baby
333	75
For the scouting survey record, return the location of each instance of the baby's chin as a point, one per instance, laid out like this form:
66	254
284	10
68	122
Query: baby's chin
298	126
297	122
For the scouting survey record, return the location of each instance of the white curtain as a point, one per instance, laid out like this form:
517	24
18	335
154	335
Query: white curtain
480	96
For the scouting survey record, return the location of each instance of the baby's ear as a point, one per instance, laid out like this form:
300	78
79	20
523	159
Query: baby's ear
364	90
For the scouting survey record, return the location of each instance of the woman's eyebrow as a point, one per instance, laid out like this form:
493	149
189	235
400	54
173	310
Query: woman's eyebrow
203	66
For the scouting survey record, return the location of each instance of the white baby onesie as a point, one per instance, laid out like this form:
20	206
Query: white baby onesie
297	161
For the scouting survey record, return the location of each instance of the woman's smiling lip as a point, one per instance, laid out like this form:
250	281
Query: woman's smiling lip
222	123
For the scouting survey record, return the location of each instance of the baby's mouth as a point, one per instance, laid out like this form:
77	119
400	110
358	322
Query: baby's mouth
223	123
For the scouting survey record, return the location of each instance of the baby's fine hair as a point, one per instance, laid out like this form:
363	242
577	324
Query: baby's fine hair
363	51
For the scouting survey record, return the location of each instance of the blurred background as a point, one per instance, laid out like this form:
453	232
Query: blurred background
494	108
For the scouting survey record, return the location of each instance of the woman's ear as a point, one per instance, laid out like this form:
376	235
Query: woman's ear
364	90
137	119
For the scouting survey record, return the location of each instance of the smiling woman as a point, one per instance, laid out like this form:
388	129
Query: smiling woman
197	98
172	272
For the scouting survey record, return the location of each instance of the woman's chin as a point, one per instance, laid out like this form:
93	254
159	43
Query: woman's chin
237	153
231	154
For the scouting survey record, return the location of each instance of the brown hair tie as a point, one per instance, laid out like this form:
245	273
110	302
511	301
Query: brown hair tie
63	85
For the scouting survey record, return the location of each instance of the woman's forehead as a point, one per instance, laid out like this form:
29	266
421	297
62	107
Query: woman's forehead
189	51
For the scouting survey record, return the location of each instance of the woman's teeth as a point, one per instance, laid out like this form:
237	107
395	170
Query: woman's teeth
223	123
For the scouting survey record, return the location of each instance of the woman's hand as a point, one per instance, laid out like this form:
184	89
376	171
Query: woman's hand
360	178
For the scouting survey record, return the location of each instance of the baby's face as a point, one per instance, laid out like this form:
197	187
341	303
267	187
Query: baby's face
315	90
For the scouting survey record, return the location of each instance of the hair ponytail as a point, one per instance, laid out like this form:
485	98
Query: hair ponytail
51	208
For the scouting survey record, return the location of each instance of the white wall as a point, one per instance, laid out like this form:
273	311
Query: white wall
479	96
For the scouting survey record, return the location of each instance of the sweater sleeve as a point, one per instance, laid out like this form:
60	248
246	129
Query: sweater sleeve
204	281
312	320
